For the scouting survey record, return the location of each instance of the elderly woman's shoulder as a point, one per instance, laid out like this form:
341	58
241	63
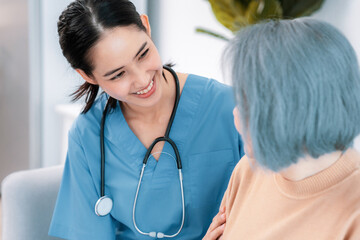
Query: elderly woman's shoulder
245	167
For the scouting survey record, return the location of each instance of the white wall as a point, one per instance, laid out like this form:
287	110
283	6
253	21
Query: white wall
58	81
14	85
178	42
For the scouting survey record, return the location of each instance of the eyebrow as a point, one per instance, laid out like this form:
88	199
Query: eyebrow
117	69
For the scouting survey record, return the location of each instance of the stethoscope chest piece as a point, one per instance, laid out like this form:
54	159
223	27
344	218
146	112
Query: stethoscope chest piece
103	206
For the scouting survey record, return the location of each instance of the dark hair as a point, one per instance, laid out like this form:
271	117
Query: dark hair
80	26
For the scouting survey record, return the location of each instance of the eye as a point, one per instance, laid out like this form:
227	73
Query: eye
144	54
118	76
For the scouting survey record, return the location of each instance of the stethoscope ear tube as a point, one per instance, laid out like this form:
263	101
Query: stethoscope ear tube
166	139
177	99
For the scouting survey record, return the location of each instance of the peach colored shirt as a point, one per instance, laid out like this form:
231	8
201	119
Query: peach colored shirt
263	205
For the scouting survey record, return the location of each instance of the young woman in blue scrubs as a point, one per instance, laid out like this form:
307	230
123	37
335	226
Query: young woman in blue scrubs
109	44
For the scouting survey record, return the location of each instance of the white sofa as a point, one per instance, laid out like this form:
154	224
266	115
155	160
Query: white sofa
28	200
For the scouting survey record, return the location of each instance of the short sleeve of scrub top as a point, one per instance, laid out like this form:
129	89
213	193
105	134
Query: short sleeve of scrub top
209	147
77	198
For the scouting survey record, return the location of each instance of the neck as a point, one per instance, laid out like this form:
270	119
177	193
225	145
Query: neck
308	166
158	112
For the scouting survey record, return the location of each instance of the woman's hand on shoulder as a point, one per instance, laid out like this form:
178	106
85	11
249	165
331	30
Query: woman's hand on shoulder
217	226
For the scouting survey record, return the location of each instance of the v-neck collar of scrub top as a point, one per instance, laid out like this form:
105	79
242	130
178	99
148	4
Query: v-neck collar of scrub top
116	126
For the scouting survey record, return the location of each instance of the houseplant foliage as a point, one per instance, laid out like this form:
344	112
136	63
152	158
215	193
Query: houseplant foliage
235	14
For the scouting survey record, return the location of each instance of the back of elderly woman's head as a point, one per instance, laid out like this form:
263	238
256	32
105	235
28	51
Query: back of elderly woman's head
297	85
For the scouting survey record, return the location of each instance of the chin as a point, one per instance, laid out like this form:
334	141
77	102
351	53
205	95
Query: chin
151	101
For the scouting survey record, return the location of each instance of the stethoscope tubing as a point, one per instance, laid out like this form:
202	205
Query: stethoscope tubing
165	138
173	145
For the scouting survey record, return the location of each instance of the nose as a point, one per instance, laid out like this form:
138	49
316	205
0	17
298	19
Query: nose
141	78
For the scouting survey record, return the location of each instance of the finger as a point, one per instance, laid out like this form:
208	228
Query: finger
222	209
218	220
216	233
221	237
214	222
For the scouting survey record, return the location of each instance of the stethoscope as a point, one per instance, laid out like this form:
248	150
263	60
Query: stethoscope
104	205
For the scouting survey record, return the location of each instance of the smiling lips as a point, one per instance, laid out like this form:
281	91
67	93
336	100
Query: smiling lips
146	90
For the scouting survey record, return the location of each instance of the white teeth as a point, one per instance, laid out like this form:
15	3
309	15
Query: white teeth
147	89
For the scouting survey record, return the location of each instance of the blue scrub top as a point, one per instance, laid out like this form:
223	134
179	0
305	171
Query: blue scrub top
209	146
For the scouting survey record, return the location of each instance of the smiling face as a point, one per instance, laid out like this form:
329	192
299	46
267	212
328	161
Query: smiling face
127	66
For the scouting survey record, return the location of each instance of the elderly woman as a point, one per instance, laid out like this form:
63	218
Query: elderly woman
297	87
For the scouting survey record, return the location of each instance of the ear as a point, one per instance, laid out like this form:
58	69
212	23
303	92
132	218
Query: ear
145	21
237	120
239	127
86	77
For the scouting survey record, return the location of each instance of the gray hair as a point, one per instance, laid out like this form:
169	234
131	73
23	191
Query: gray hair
297	86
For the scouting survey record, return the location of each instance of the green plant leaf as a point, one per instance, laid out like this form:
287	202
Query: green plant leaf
299	8
223	12
235	14
263	9
209	32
